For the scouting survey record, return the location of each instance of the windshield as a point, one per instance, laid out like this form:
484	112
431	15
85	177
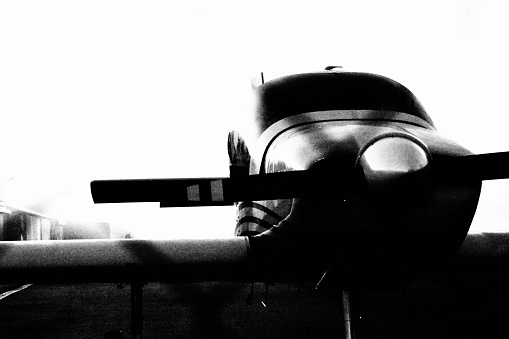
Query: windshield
324	91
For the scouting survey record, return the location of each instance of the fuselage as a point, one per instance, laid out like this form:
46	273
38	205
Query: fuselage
404	220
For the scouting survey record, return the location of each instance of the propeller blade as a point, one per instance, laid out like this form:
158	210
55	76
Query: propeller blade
222	191
226	191
489	166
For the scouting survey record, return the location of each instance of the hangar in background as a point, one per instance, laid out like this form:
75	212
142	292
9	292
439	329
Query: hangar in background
22	224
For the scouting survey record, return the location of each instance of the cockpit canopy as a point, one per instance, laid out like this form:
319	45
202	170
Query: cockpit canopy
330	90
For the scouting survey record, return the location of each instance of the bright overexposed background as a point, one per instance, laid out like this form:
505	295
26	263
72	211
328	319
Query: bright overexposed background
124	89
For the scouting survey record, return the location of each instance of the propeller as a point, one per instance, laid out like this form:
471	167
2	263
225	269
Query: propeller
226	191
217	191
489	166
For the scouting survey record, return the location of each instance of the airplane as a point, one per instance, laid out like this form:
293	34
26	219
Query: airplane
342	179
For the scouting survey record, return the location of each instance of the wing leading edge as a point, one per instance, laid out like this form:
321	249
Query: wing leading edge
124	260
130	260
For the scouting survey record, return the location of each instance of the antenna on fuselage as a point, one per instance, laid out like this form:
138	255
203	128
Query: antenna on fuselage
334	68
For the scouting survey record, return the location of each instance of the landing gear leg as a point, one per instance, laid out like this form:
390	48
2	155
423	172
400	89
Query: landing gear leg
136	310
347	314
349	320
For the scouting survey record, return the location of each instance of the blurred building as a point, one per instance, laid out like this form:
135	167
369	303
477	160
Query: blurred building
23	224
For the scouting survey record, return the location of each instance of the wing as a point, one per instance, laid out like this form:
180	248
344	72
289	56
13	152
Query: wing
123	260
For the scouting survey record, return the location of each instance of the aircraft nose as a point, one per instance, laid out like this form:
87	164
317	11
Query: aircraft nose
394	164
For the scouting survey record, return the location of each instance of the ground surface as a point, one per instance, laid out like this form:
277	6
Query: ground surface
473	307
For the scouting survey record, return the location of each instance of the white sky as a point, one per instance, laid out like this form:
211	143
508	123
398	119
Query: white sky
123	89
